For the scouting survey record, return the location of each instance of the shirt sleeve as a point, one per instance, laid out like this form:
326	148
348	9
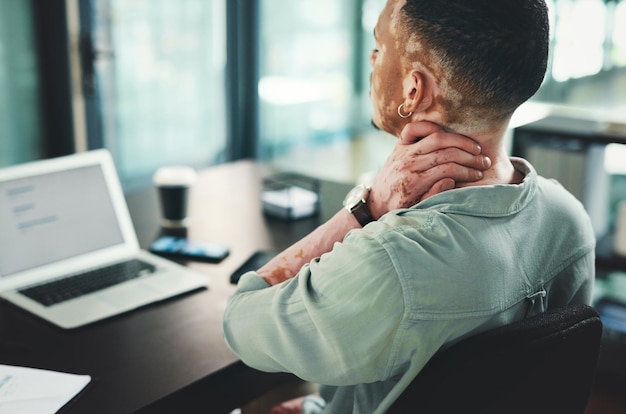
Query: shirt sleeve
335	323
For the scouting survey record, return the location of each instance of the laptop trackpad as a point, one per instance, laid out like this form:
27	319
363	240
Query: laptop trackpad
128	295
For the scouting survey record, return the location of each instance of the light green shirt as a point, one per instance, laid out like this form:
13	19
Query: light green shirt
364	318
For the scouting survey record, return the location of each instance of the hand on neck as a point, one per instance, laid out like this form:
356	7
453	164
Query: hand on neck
491	138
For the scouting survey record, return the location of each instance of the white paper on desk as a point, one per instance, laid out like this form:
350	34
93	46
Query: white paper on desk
36	391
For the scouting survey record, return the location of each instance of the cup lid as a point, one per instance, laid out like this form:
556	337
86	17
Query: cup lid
173	175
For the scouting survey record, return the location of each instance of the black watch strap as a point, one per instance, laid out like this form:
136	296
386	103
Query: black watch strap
362	214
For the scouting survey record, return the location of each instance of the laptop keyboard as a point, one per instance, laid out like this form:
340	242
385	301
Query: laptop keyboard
71	287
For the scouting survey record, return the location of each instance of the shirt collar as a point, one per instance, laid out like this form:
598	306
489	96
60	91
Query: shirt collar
488	200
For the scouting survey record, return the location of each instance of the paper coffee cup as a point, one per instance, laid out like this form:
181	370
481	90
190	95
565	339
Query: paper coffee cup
173	184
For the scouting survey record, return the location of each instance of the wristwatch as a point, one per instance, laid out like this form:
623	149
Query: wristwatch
355	203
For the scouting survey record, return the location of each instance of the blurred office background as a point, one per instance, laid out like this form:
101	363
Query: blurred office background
202	82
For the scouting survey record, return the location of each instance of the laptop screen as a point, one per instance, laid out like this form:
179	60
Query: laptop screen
55	216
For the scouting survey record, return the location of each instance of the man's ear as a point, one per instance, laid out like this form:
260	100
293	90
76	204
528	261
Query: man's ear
418	92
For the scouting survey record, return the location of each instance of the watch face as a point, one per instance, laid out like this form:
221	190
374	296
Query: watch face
355	196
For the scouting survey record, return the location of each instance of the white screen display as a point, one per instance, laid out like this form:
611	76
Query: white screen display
55	216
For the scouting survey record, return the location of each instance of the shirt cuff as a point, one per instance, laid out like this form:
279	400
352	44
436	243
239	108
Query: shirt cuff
251	281
313	404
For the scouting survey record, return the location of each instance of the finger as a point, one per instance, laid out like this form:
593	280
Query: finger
417	163
452	155
439	140
414	131
439	187
456	172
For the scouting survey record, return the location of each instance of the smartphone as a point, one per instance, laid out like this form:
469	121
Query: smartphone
254	262
180	248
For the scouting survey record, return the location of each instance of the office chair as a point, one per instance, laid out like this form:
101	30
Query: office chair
543	364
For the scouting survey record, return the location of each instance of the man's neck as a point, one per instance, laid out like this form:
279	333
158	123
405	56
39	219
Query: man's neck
502	170
491	140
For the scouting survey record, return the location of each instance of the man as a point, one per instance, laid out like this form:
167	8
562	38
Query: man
361	307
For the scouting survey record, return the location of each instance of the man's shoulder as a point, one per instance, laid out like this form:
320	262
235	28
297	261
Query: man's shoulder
552	194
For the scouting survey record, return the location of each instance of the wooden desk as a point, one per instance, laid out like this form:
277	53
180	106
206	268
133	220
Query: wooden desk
173	352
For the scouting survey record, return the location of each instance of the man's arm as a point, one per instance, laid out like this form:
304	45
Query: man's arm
414	171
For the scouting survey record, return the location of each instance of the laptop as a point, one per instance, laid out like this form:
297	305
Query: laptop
68	250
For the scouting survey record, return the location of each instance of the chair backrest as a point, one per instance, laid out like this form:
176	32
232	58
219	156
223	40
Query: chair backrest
543	364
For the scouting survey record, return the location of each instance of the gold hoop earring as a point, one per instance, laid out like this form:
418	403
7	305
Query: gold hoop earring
401	114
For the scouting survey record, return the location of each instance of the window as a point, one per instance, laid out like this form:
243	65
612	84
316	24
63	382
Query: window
588	55
580	26
19	83
161	70
314	86
619	34
306	63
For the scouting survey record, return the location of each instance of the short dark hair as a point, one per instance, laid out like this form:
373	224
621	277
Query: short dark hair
493	53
